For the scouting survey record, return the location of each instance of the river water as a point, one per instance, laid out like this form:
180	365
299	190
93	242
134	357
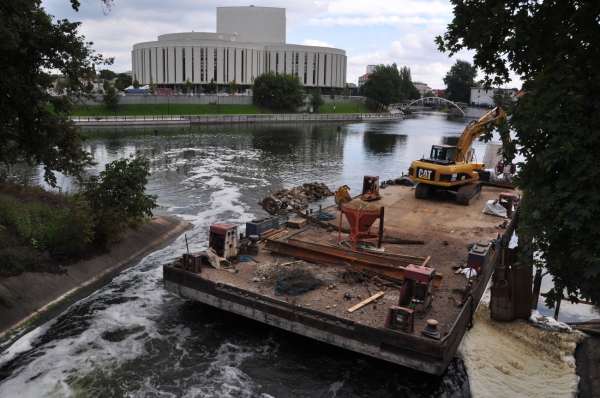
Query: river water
133	339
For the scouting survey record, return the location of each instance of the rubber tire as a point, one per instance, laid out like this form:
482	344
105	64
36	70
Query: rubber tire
270	205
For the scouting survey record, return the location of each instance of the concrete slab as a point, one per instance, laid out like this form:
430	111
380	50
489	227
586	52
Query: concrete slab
34	294
587	358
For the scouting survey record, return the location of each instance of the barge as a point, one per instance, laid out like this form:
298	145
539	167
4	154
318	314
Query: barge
397	278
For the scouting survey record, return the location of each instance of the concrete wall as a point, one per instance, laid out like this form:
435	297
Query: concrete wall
179	99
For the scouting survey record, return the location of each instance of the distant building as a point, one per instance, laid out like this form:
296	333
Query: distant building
422	87
249	41
370	68
485	98
439	93
363	79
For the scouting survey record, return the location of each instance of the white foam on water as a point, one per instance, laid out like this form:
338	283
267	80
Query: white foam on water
517	359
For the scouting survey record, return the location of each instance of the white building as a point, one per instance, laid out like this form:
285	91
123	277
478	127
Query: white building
249	42
481	97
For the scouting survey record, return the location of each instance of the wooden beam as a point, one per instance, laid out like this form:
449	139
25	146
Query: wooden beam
365	302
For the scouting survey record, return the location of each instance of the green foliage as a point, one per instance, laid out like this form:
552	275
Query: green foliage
554	46
384	85
111	98
117	195
151	86
429	94
503	98
316	100
61	85
126	79
280	91
135	83
119	85
106	74
459	80
31	46
212	86
89	87
407	88
233	86
188	86
346	91
62	229
13	261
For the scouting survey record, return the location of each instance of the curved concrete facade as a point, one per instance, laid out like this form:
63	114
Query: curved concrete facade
200	57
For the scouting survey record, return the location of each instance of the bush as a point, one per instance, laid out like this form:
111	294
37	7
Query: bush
16	259
117	196
62	229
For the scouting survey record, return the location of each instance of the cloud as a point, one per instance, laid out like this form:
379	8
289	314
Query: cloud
317	43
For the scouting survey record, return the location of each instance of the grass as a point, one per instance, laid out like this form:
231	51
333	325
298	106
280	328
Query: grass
205	109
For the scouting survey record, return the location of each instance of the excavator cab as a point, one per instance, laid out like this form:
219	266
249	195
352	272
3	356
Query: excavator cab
441	154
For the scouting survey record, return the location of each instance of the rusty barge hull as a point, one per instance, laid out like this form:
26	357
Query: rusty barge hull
412	350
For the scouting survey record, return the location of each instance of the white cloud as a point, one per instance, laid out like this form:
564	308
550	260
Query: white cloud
317	43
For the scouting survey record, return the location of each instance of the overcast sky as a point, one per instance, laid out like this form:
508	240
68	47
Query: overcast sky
371	32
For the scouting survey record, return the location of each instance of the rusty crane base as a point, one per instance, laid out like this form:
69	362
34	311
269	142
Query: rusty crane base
390	267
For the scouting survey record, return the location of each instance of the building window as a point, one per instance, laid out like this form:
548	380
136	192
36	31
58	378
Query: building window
164	57
305	66
183	64
314	66
242	77
193	64
215	63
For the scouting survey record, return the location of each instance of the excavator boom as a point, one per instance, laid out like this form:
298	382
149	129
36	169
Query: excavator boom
450	167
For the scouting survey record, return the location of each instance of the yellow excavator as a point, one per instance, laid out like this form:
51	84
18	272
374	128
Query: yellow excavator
452	167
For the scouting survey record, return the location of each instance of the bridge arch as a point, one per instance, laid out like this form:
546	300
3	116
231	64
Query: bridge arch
435	98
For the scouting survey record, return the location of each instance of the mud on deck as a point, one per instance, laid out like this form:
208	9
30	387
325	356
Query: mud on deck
445	227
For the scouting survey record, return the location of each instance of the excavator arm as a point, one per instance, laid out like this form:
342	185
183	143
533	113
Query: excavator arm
463	151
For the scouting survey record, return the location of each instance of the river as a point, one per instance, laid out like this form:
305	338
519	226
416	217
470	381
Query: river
133	339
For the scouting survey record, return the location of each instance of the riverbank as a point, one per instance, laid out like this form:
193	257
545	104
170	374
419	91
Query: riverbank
33	297
92	121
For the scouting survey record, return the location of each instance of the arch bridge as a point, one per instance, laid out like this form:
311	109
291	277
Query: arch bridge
404	106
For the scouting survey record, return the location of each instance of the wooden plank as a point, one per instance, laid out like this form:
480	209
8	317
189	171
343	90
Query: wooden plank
365	302
268	233
426	261
296	222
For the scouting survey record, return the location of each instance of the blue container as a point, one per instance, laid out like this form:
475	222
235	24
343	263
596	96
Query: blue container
258	226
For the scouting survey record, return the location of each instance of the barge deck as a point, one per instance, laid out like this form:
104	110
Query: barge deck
384	328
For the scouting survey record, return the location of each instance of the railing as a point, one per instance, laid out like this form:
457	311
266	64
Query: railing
261	118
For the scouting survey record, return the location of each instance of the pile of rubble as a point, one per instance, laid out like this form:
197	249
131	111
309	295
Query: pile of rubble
296	198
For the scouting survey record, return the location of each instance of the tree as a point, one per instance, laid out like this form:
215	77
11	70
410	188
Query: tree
105	85
554	47
61	85
347	91
407	88
316	100
233	86
32	45
135	83
281	91
212	86
119	85
503	98
152	86
111	98
106	74
126	79
384	85
429	94
459	80
117	195
188	86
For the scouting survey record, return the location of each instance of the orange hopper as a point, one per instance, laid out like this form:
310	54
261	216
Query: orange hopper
360	225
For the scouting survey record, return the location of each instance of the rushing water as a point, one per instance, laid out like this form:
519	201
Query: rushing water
131	338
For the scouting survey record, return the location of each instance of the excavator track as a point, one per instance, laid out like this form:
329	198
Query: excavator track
467	193
422	191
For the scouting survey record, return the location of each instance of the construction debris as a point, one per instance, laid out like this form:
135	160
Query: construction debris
296	198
